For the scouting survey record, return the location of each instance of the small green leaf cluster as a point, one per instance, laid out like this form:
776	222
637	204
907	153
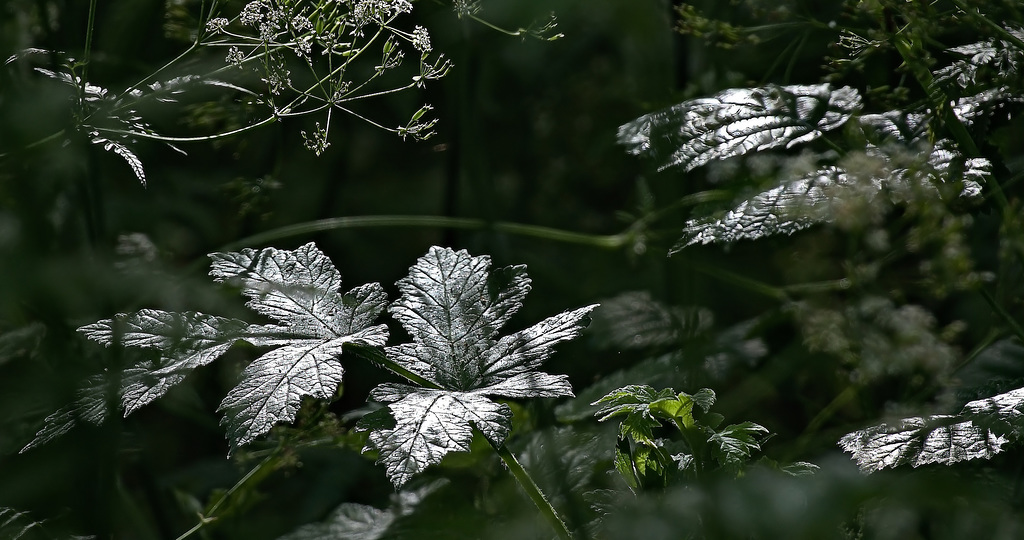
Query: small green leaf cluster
645	460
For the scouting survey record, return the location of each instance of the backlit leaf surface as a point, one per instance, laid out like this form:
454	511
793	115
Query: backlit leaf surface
738	121
313	320
453	307
980	431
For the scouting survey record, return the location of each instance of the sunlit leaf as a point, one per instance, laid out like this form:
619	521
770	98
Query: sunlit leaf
453	307
800	203
780	210
734	444
738	121
313	321
980	431
1003	58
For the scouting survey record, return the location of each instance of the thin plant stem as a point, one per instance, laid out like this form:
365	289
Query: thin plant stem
211	514
357	222
141	135
1007	318
88	47
530	487
743	282
376	356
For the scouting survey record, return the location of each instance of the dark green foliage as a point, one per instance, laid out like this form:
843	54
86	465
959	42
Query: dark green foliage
839	186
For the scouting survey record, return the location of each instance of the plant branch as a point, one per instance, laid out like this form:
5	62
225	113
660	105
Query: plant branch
142	135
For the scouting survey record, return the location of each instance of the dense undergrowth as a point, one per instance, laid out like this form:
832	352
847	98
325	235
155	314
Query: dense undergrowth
797	231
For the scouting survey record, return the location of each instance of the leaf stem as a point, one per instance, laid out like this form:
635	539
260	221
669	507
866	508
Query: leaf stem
741	281
375	355
210	515
356	222
88	47
531	489
1010	321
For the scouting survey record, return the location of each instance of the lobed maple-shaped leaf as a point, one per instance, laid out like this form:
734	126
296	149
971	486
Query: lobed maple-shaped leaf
453	307
300	291
980	431
738	121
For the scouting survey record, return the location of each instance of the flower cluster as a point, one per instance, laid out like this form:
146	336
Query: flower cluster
328	39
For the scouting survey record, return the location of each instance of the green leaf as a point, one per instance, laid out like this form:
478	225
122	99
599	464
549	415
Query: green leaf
734	444
633	402
453	309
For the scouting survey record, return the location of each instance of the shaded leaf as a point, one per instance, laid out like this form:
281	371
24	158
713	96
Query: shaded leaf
351	521
453	308
634	320
90	405
980	431
731	349
738	121
21	342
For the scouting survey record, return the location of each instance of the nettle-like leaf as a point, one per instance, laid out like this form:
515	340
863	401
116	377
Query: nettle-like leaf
738	121
781	210
734	444
980	431
453	307
644	460
807	200
300	291
1002	58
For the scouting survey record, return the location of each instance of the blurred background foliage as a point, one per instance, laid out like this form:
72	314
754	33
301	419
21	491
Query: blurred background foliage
526	135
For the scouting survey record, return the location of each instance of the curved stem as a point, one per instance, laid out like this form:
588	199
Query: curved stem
141	135
355	222
211	514
532	491
1003	314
